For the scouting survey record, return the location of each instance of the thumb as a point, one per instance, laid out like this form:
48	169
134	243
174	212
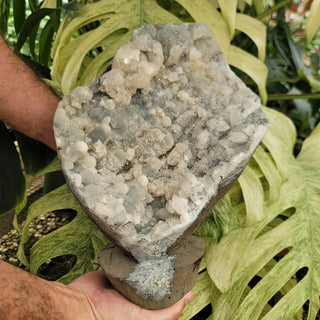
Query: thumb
171	313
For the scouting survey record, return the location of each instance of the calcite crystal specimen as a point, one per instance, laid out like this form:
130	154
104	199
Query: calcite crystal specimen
152	144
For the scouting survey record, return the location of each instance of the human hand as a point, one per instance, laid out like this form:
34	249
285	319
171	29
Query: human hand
108	304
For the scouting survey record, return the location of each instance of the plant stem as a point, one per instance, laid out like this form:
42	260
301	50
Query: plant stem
290	80
273	9
283	96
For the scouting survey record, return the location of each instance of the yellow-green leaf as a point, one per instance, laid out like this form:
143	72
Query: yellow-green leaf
259	6
229	10
252	66
313	21
203	11
255	29
253	195
202	292
52	4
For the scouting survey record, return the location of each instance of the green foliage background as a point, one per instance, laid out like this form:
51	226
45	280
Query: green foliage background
265	230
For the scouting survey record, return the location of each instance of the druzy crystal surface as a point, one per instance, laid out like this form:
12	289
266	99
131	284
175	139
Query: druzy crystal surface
149	144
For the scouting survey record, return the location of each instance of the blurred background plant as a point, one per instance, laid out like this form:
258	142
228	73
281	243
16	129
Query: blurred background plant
293	62
262	238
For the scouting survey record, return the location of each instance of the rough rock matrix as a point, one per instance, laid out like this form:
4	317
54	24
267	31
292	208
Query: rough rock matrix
149	144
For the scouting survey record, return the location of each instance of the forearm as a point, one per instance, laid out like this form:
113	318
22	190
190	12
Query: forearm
24	296
26	103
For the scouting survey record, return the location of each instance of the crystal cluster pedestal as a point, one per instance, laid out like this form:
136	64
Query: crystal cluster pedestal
148	149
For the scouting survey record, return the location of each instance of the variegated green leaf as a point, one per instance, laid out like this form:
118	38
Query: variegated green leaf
80	237
244	252
202	291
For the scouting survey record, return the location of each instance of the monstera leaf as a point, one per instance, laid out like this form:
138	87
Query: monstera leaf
77	61
277	203
80	237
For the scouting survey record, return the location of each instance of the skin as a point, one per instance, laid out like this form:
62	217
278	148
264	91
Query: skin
28	105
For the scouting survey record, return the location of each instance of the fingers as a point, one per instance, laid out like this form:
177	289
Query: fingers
112	305
171	313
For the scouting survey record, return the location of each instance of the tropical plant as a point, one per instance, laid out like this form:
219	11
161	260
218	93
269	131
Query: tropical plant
261	238
291	86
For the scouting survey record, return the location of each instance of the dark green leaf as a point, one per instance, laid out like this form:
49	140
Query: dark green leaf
4	14
33	5
55	19
297	55
32	42
29	24
53	180
40	70
35	155
12	181
45	43
19	9
282	47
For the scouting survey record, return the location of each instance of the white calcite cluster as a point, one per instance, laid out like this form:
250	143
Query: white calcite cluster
147	146
152	277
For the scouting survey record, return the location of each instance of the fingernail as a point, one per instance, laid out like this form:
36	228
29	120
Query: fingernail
188	298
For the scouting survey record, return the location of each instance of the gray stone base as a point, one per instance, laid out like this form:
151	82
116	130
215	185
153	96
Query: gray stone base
118	264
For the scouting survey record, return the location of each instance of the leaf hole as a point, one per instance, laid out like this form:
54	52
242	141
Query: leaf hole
266	150
55	268
300	274
305	309
254	281
175	8
288	213
47	223
264	272
91	26
289	285
202	271
281	254
203	313
275	299
278	220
